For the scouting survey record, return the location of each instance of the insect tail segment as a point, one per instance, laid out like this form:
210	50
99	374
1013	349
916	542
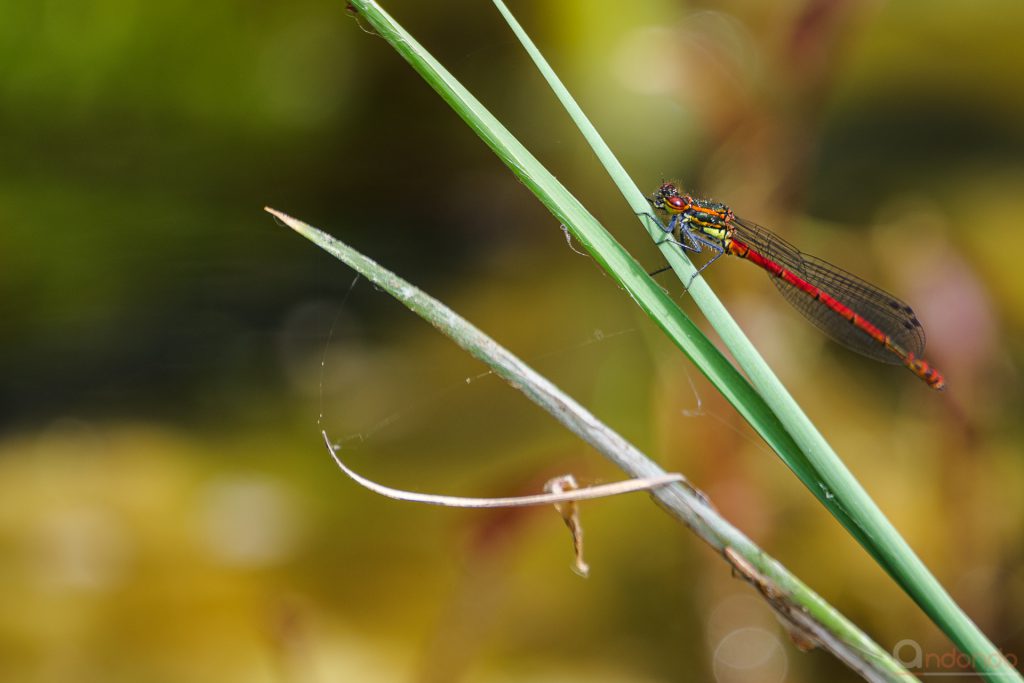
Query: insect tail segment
917	365
924	370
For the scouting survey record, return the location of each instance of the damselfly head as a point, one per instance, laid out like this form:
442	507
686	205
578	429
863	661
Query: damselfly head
668	198
665	192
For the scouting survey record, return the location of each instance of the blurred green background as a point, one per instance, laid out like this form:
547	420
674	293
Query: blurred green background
169	354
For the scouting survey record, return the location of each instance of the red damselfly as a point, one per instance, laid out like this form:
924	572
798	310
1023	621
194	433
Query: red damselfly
856	314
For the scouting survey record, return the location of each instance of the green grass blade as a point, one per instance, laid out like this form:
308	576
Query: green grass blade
817	464
794	601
